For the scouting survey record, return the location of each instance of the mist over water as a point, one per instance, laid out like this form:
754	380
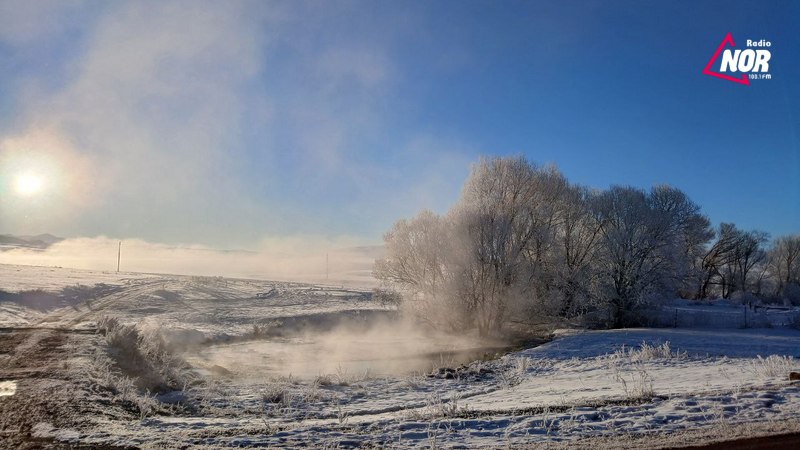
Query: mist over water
384	348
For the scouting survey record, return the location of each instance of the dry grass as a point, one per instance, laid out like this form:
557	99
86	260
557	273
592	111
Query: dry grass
438	406
646	352
773	366
636	384
628	367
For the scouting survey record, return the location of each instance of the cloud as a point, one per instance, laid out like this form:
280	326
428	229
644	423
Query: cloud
155	101
25	22
214	122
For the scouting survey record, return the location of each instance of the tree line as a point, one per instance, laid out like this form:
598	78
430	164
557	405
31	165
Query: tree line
524	244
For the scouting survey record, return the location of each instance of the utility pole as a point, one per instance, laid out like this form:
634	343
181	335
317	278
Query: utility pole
119	254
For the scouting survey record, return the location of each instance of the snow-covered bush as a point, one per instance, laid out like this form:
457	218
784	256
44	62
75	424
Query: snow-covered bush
145	356
773	366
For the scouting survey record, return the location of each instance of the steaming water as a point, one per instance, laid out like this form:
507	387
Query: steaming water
307	358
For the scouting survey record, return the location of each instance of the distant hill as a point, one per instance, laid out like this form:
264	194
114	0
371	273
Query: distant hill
39	241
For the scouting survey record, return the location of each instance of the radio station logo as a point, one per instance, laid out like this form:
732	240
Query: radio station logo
741	65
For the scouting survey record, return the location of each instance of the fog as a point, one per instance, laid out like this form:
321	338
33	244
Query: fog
186	121
382	347
296	258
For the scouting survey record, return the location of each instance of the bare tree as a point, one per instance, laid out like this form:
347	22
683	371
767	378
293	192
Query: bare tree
578	236
730	262
498	226
689	231
416	262
747	254
785	258
627	265
720	255
647	247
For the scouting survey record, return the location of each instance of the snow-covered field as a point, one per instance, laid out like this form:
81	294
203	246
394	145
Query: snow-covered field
16	278
213	306
580	388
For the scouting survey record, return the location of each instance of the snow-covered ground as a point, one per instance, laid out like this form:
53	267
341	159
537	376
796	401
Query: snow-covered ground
17	278
211	306
581	385
589	384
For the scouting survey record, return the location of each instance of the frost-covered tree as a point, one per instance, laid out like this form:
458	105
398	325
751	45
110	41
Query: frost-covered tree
494	250
522	243
577	239
648	245
689	231
504	224
631	263
785	262
417	263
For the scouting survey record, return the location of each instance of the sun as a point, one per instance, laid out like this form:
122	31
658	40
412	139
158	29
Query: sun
28	184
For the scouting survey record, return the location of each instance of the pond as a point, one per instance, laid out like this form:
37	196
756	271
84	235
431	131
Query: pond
343	355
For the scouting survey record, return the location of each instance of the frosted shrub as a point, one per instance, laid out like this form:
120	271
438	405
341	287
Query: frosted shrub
145	356
279	393
647	352
663	351
772	366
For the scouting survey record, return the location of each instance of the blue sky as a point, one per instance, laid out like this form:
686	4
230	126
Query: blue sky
227	123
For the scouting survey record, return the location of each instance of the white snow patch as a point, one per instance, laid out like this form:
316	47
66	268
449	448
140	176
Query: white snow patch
8	388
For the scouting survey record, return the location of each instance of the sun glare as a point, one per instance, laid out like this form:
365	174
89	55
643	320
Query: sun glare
28	184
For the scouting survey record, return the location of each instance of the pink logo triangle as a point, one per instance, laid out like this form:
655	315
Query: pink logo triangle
728	40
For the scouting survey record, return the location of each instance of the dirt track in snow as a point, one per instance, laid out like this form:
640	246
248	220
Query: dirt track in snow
38	361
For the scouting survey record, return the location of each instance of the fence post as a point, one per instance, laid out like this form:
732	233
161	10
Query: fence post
745	316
